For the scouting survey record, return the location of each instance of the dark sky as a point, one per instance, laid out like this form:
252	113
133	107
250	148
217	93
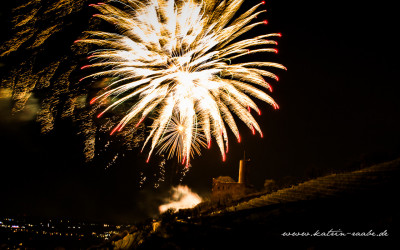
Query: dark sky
338	100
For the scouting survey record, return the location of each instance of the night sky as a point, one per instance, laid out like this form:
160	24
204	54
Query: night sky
339	107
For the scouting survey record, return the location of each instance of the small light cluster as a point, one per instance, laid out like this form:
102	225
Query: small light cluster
48	229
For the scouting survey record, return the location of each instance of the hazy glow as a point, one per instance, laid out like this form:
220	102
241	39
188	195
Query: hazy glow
173	61
182	197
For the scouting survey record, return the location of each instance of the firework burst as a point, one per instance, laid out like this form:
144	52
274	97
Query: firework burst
173	59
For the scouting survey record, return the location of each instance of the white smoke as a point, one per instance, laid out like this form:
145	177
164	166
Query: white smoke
182	197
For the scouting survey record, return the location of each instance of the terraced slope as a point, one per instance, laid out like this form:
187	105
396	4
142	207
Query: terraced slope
356	201
333	185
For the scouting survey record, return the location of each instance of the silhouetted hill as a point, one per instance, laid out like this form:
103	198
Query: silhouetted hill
362	201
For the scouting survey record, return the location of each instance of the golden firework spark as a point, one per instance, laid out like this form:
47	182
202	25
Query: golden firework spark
174	58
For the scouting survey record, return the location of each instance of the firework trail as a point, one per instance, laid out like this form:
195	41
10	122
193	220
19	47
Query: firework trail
173	61
37	76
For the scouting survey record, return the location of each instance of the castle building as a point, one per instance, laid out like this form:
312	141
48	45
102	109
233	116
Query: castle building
224	188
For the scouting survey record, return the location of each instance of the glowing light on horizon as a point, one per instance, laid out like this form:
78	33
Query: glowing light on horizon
174	62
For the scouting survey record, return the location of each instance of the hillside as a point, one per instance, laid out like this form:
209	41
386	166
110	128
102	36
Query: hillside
330	186
357	201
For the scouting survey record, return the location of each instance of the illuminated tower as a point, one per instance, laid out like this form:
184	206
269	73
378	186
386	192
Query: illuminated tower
226	189
243	170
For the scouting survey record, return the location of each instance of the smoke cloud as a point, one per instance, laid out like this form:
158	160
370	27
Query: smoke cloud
182	197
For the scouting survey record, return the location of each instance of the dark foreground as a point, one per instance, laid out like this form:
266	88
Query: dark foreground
357	210
354	210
